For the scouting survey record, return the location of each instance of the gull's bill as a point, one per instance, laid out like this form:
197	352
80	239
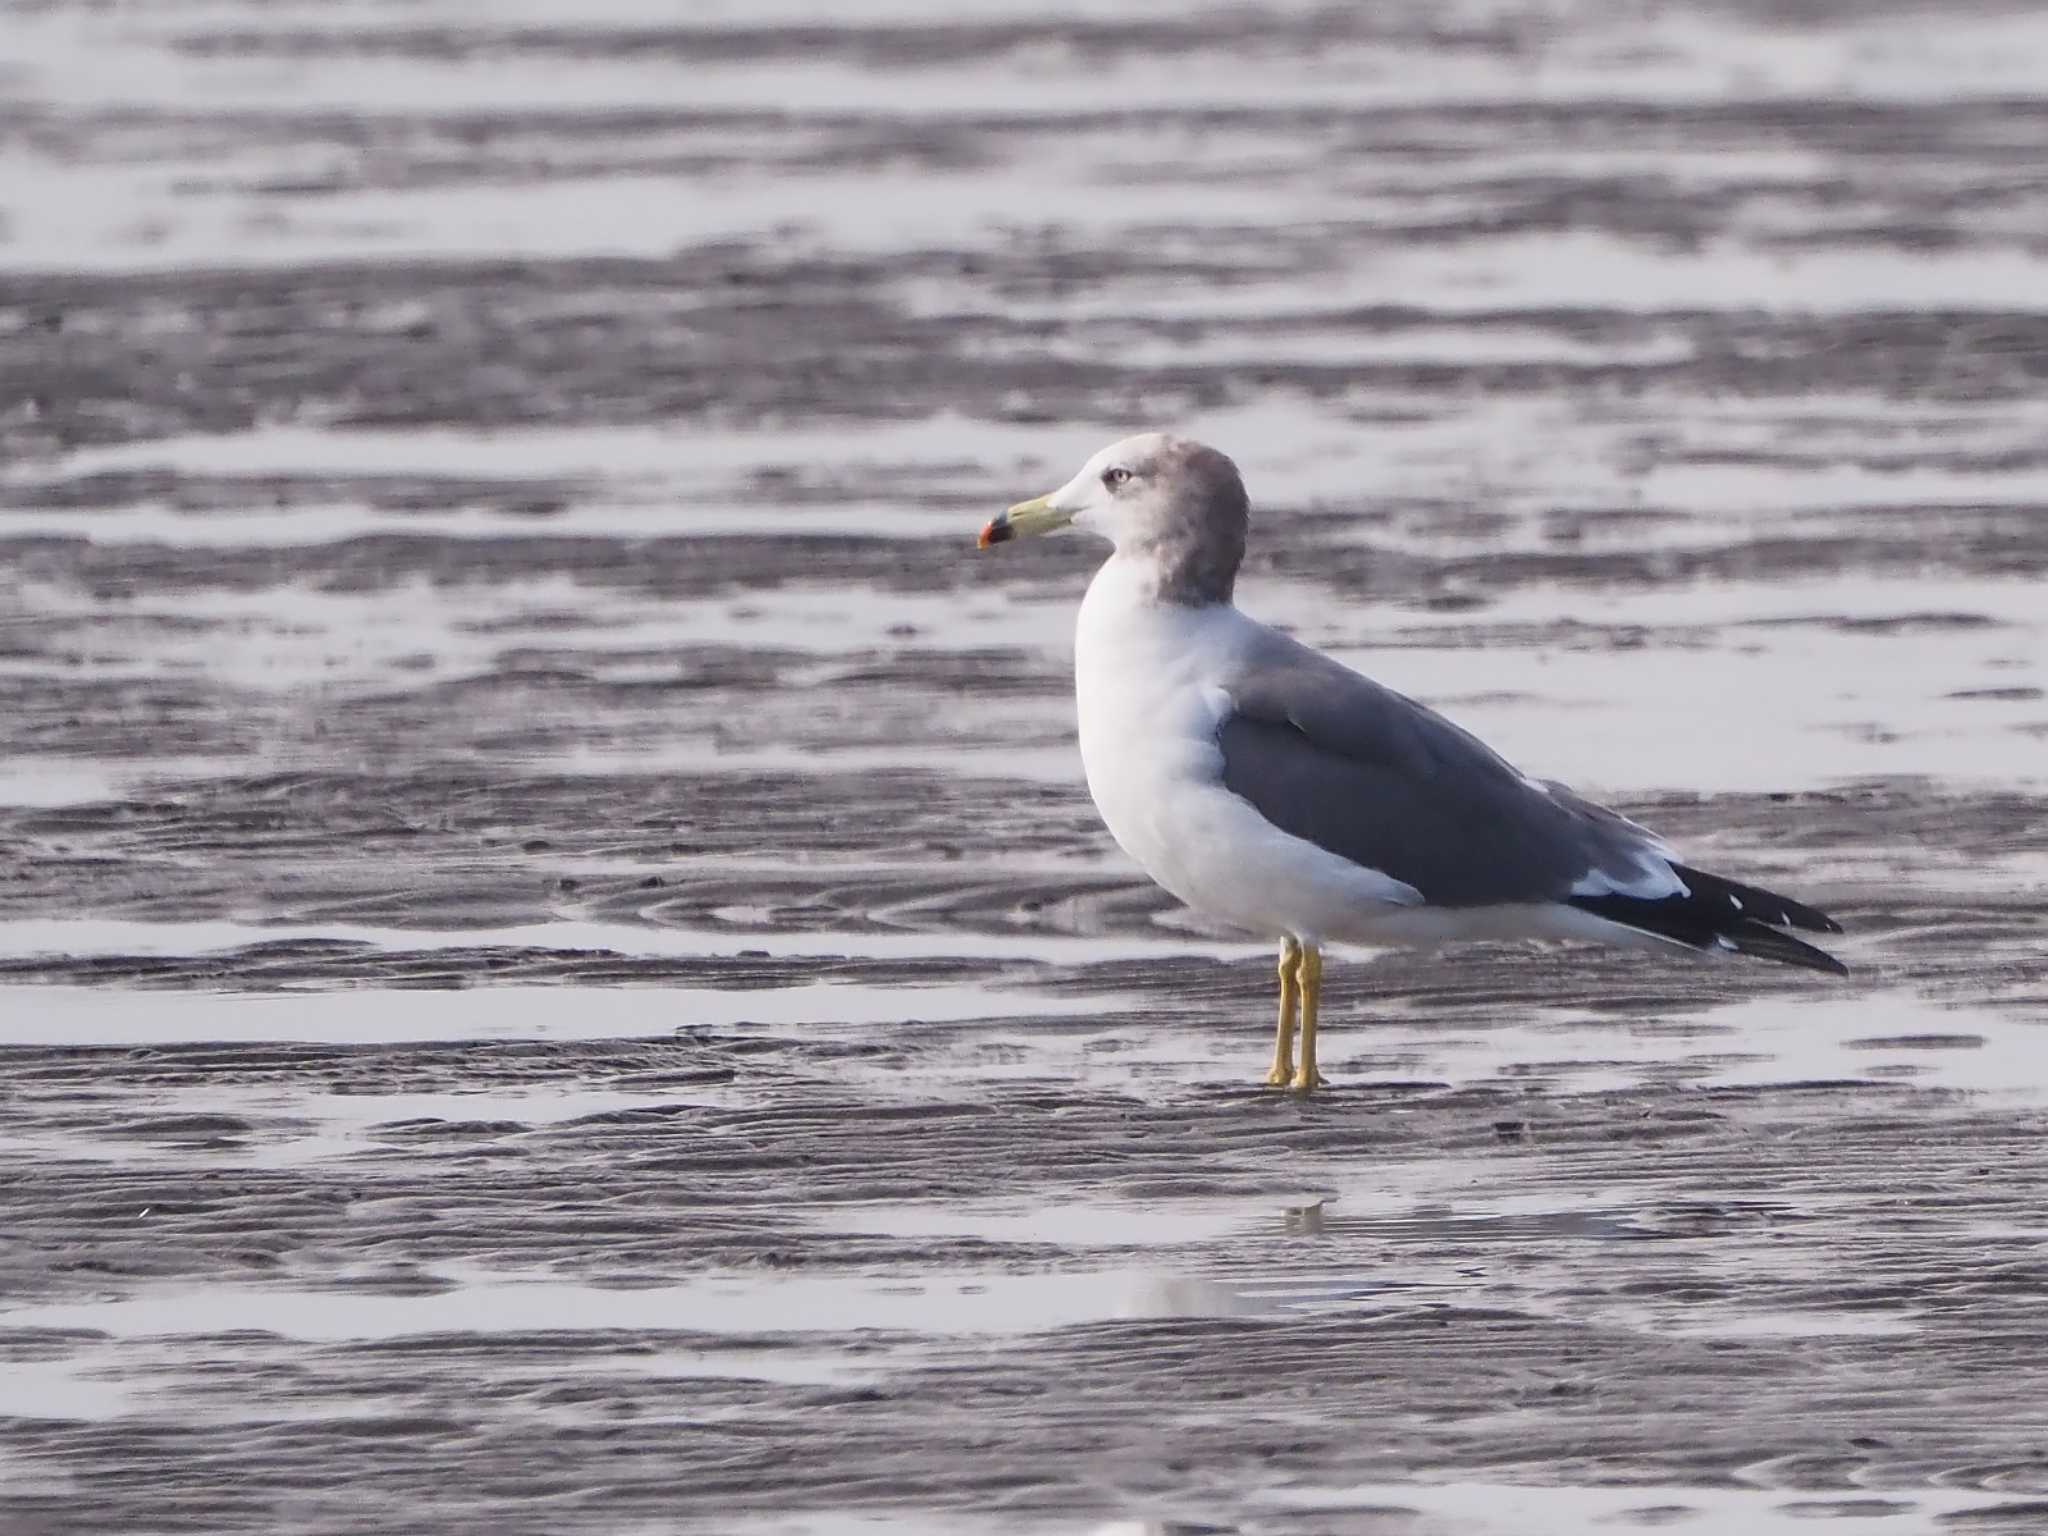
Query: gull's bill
1038	515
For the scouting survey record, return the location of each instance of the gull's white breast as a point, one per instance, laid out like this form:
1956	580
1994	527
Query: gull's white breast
1149	688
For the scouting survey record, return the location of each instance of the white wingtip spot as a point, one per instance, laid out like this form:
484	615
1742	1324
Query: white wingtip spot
1653	880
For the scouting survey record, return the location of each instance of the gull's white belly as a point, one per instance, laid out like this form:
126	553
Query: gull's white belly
1148	693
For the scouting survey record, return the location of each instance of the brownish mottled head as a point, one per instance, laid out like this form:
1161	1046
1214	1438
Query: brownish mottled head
1178	506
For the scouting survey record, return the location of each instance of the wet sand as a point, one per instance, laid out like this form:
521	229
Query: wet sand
556	970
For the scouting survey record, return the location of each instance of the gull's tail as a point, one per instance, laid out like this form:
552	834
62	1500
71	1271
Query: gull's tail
1716	914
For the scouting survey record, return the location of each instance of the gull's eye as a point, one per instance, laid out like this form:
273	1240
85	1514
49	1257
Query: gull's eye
1115	477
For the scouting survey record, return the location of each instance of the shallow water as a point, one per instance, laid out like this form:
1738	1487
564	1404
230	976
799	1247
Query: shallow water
555	969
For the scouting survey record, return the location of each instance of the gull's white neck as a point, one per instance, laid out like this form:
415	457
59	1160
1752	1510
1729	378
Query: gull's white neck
1125	632
1146	685
1127	583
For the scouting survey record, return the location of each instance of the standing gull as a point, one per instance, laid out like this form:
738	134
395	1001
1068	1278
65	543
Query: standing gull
1278	791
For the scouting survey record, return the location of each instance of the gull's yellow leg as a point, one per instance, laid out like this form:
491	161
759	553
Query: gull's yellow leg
1306	1077
1282	1075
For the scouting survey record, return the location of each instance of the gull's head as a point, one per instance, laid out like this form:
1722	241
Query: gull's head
1176	505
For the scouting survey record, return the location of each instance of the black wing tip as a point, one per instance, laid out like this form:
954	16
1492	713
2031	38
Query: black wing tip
1706	919
1771	944
1753	902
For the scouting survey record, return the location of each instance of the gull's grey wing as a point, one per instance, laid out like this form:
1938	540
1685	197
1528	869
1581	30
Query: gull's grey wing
1376	778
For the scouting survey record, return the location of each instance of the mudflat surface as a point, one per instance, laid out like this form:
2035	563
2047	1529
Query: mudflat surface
556	971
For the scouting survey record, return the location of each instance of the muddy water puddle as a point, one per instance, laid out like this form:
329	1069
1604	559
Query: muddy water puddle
555	969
